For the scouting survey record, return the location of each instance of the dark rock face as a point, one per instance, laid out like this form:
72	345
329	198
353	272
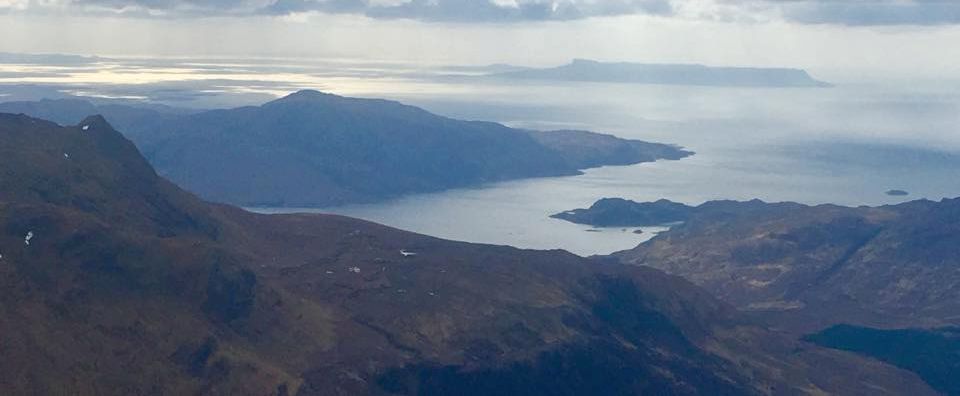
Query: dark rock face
195	358
617	212
597	366
230	294
223	301
805	268
578	370
312	149
931	353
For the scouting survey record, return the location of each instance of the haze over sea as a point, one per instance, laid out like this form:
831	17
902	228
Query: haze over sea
844	145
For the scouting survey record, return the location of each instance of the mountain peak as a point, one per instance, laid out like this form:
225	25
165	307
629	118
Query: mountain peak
90	168
582	61
95	122
307	94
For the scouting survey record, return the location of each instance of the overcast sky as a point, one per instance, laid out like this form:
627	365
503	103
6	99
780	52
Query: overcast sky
916	38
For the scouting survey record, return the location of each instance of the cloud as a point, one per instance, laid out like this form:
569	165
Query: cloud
873	12
424	10
171	7
835	12
476	10
472	10
284	7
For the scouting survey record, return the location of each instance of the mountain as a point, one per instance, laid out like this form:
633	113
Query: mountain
584	149
668	74
128	116
805	268
311	149
115	281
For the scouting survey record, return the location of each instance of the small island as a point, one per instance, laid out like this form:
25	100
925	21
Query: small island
897	193
619	212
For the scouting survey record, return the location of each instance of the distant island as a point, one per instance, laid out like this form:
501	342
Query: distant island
897	193
668	74
313	149
619	212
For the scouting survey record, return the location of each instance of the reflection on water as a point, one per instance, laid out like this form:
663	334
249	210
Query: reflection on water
516	213
845	145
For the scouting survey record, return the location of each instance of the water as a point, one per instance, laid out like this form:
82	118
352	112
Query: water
844	145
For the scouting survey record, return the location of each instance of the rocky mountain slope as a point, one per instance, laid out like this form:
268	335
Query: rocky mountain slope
311	149
809	267
115	281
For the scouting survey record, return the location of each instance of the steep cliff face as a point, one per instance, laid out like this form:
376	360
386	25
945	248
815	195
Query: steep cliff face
114	281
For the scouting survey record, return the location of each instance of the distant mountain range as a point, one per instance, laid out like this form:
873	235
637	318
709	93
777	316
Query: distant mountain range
667	74
115	281
312	149
52	59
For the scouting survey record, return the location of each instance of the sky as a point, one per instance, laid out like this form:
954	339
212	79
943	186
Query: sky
896	37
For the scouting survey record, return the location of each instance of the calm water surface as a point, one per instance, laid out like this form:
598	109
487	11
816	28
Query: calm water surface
845	145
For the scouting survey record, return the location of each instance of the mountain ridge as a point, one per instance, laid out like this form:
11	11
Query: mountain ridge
806	268
313	149
224	301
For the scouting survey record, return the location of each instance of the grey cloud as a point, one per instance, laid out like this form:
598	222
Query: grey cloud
283	7
212	5
836	12
476	10
424	10
872	13
485	11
